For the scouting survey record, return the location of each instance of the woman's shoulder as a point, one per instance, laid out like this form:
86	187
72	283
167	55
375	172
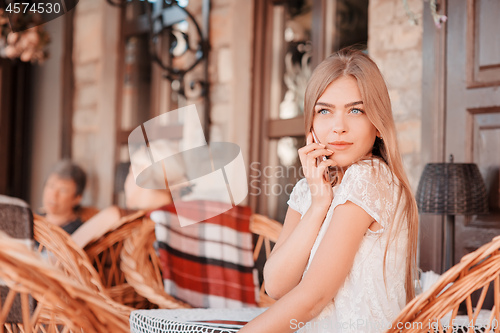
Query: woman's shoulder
301	188
301	184
300	196
370	184
370	177
374	170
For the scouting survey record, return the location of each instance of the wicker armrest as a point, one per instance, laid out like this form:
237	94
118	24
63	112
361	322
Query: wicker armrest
104	254
67	255
474	272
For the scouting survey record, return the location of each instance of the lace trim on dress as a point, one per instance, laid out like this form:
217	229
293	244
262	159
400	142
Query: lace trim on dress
367	184
371	188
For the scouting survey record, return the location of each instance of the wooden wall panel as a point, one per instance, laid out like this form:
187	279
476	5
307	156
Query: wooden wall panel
483	54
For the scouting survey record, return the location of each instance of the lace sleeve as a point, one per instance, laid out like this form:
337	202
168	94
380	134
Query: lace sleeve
371	187
300	197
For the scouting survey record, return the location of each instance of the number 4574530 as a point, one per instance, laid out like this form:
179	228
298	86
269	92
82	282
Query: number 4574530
36	8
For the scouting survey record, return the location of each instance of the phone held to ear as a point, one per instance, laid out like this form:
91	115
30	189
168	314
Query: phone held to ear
327	175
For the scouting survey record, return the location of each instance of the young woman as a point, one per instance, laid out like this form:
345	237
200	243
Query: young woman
345	260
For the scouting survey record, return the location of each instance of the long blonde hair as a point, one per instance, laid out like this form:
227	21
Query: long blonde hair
371	84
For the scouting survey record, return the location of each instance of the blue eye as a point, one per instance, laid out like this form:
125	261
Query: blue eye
323	111
356	111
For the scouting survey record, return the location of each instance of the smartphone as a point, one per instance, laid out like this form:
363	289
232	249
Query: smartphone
316	140
327	174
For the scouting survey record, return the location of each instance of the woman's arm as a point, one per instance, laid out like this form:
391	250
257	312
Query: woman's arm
97	226
328	270
288	260
285	266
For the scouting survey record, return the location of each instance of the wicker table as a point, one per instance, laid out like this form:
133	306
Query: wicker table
191	320
231	320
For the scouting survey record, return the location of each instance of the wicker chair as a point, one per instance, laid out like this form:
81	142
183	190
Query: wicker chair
58	246
141	268
104	254
62	304
474	272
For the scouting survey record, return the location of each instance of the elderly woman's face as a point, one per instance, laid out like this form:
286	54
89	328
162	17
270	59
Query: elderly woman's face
59	195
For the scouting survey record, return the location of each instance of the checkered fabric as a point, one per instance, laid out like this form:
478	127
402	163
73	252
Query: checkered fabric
207	264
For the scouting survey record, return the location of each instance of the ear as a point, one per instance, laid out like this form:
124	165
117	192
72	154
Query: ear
77	200
378	134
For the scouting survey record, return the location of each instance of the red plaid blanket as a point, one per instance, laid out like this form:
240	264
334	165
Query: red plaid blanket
207	264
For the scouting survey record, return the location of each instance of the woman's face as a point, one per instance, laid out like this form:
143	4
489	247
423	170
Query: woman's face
59	195
341	123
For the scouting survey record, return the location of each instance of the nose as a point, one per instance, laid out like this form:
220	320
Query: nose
339	124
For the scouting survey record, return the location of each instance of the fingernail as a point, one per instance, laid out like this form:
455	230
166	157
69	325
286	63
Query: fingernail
322	145
331	151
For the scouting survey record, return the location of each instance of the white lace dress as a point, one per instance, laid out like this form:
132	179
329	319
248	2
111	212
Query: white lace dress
364	303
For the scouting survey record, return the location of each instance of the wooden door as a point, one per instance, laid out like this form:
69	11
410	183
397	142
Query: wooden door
462	105
15	129
473	108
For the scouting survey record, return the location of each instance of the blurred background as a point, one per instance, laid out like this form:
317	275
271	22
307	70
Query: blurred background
105	67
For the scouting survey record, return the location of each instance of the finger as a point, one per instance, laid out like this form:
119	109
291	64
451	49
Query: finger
309	138
325	164
320	152
310	147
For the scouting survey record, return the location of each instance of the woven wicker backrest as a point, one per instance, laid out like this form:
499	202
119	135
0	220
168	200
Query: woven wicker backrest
268	231
104	255
56	244
474	272
62	302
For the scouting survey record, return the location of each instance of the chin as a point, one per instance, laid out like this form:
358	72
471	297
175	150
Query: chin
50	211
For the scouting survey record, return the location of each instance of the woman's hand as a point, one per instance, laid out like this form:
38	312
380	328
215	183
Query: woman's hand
321	189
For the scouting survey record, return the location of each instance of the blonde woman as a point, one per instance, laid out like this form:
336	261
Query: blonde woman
345	260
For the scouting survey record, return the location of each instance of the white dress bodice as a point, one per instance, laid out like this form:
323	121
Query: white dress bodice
365	303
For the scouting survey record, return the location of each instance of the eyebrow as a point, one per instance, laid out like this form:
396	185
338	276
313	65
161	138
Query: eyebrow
333	106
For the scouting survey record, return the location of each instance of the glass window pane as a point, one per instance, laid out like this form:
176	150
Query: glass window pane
281	176
291	58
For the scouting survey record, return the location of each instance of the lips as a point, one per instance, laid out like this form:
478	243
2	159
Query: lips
340	145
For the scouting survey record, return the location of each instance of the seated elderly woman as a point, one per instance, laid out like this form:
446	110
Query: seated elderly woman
142	197
62	195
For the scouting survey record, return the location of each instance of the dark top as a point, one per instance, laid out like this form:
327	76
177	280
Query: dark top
70	227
